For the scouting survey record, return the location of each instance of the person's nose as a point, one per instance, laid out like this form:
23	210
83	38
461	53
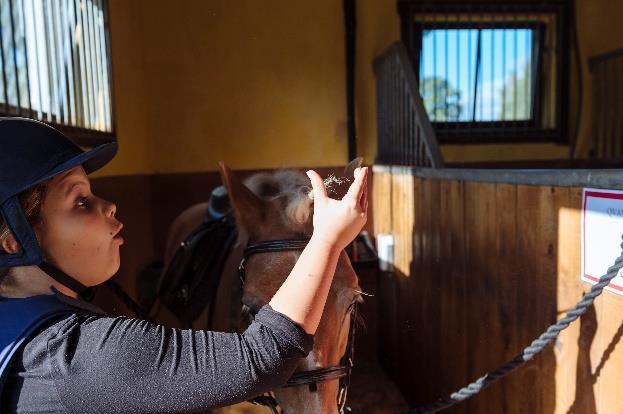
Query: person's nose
110	209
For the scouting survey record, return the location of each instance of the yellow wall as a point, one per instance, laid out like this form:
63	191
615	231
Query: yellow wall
129	90
600	30
378	26
257	84
262	84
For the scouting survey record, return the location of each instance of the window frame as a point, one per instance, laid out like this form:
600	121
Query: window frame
482	132
84	137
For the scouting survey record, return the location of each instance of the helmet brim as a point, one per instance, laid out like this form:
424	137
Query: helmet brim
91	160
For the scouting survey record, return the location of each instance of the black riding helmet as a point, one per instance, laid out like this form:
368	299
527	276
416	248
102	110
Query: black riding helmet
30	153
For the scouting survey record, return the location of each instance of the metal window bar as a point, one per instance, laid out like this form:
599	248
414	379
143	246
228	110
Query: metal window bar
607	114
55	65
5	51
403	125
27	71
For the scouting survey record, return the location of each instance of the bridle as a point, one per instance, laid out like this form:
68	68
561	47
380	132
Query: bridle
314	376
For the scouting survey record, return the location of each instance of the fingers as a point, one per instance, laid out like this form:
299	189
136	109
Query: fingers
320	191
357	187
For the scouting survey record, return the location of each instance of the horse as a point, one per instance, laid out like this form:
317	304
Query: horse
278	206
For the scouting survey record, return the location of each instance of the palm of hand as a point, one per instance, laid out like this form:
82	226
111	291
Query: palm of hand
339	221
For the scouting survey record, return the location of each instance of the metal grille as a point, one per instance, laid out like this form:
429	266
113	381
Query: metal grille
55	65
405	135
606	71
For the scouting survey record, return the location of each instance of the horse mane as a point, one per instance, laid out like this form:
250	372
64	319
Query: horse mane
291	187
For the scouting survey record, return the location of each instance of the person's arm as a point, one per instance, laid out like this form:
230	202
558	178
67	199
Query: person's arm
104	364
121	365
336	223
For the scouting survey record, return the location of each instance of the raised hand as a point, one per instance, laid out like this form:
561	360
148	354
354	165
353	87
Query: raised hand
337	222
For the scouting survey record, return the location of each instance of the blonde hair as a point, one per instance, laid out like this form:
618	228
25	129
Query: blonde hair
290	185
31	201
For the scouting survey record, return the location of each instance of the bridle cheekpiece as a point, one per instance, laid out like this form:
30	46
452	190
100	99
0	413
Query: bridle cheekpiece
312	377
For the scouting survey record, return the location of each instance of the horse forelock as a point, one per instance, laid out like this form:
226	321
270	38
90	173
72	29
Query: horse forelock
291	187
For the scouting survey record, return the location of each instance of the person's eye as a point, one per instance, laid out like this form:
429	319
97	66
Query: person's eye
83	202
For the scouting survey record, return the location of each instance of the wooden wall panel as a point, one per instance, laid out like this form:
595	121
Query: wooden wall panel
452	290
399	190
569	291
606	368
527	234
508	301
483	322
387	316
492	265
380	203
606	351
550	201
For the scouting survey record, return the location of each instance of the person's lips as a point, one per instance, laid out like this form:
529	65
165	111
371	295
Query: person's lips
117	236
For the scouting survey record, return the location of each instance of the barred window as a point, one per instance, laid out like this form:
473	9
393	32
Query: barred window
491	72
479	74
56	66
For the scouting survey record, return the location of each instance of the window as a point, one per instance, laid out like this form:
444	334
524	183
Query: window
476	75
55	65
489	72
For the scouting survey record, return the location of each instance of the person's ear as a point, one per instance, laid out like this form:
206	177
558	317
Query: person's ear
10	245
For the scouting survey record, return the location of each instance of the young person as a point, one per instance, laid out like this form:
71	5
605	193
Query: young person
60	354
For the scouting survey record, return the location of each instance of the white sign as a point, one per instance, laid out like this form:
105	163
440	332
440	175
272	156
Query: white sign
385	251
602	229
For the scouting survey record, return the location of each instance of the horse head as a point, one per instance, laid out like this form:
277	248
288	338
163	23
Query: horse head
278	206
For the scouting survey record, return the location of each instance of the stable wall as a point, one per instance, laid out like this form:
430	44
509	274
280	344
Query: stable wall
484	263
262	85
378	26
259	85
599	31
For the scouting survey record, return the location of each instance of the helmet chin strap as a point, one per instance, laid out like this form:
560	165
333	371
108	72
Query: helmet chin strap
66	280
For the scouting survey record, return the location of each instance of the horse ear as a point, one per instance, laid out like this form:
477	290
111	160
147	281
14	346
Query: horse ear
349	171
248	208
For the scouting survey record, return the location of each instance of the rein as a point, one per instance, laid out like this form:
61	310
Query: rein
313	377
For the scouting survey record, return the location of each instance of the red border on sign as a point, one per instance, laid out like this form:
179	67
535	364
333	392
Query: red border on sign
597	194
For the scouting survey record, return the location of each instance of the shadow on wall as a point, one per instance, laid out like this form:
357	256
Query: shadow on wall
432	345
586	377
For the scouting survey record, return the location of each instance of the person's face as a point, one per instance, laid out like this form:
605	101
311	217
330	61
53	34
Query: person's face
78	232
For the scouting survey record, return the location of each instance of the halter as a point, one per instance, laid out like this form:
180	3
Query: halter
314	376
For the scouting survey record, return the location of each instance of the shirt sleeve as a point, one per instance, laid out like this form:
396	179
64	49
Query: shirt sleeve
104	364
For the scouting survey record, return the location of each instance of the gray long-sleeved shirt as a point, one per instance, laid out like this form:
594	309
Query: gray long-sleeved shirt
86	362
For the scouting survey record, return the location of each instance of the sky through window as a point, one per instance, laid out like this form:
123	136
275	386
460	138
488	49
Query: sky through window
474	75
